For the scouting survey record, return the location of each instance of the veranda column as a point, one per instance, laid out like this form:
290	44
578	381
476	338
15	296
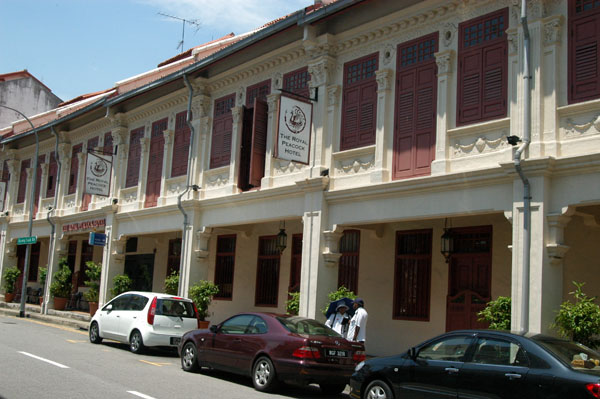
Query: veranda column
27	203
81	157
444	62
119	132
168	135
43	183
272	122
111	264
64	153
237	114
384	125
13	184
145	153
201	123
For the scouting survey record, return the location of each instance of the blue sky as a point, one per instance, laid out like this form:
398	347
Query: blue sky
82	46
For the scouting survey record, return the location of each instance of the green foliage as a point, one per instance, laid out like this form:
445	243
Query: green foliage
579	321
293	304
61	282
340	293
93	271
9	279
121	283
202	294
43	275
497	313
172	283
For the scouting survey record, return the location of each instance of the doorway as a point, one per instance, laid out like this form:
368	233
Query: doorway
140	269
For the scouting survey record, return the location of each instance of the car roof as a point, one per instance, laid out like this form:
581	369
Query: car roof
159	295
529	335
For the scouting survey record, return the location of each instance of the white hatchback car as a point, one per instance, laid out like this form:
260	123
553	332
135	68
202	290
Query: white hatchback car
144	319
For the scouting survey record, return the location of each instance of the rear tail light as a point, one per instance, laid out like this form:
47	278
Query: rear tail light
152	312
197	315
359	356
307	352
594	390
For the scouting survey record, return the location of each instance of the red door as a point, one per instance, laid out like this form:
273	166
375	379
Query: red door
469	285
155	162
416	99
259	142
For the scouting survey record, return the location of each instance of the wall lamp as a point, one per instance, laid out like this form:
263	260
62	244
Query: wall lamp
281	240
115	201
513	140
447	244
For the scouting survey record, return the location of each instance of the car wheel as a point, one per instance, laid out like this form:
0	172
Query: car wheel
378	390
264	376
95	337
189	357
136	343
332	389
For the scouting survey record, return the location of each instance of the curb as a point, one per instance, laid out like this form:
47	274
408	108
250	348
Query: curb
54	317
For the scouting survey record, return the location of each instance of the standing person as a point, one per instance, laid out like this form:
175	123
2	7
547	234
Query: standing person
358	323
338	321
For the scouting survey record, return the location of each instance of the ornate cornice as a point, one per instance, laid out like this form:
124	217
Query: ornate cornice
384	79
321	70
161	106
553	30
444	61
333	94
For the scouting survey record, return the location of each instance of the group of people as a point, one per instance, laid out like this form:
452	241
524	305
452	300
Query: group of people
353	329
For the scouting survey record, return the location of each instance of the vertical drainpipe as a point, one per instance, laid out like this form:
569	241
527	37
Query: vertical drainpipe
187	184
524	327
44	309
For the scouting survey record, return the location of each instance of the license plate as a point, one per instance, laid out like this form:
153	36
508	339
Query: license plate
337	353
175	340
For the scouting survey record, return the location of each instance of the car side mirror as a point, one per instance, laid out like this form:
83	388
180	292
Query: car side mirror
412	353
109	308
214	329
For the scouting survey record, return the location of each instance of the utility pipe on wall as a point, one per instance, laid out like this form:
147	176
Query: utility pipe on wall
524	325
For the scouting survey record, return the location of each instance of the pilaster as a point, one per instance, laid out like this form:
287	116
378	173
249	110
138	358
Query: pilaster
44	167
145	153
30	187
272	124
237	114
119	135
384	125
169	135
11	190
64	154
444	61
550	76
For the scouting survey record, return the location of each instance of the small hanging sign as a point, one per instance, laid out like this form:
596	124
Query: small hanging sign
293	136
97	174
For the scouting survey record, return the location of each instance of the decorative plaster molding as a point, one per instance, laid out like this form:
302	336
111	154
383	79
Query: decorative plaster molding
145	144
236	114
449	32
218	180
129	198
355	166
284	167
444	61
321	70
553	30
332	238
482	145
201	105
163	106
333	94
168	134
512	37
272	101
389	51
176	188
384	79
574	128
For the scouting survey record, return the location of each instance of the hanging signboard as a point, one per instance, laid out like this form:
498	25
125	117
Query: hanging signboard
2	192
97	239
97	174
293	136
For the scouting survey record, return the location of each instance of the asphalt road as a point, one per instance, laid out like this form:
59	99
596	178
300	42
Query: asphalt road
39	360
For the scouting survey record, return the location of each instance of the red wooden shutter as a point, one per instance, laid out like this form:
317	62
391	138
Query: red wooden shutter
267	273
74	175
359	103
584	50
297	81
220	151
245	150
133	158
155	162
259	142
108	143
181	145
85	200
38	184
52	175
25	164
348	265
482	68
225	265
416	100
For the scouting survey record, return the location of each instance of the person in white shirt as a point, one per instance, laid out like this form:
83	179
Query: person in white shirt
338	321
358	323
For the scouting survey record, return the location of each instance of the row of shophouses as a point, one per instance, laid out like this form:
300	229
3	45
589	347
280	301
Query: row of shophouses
412	105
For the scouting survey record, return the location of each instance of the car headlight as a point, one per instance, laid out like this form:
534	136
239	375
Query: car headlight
359	366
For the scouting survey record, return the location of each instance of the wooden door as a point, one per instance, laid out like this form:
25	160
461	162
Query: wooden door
259	142
155	163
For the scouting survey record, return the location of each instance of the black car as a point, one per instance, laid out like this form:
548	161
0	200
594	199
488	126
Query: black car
482	364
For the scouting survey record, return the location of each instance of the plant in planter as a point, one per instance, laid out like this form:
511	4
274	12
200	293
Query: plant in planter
202	294
61	286
92	271
497	313
9	280
579	321
43	275
292	305
172	283
121	283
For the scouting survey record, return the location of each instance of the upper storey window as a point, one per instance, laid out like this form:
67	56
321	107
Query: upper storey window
297	82
181	145
220	150
359	104
584	43
133	157
482	68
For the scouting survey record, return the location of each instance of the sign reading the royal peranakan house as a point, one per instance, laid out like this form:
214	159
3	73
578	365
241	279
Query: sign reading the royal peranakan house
97	174
88	225
293	137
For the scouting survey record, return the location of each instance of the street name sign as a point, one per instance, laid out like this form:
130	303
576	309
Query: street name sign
26	240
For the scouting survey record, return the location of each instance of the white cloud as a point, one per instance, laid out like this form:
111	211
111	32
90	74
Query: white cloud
224	16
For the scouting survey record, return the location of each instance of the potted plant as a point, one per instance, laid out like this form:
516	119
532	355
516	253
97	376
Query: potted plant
292	305
92	271
579	321
9	280
497	314
121	283
61	285
172	283
43	275
202	294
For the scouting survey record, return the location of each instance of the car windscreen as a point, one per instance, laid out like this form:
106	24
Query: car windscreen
576	355
302	325
175	307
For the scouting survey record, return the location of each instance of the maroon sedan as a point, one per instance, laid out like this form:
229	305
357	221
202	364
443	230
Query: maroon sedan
272	348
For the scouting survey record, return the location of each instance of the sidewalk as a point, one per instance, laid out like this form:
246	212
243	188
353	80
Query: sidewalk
74	319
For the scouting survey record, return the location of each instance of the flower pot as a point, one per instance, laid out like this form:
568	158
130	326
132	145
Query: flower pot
93	307
60	303
202	324
9	297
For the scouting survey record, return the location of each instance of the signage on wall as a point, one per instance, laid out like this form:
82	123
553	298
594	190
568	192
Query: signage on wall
97	174
293	136
2	192
91	224
98	239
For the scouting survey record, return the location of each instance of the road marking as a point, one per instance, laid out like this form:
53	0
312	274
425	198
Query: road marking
141	395
55	326
62	366
76	341
155	364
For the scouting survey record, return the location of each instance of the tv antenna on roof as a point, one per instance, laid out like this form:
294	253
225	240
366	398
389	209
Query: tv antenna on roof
183	22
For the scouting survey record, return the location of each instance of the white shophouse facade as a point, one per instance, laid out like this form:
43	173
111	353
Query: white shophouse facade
412	105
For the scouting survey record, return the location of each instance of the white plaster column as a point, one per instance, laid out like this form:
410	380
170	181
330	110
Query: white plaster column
13	185
113	260
201	106
237	114
444	61
62	186
384	126
196	260
272	123
30	187
167	163
119	135
145	150
535	149
43	184
81	156
550	76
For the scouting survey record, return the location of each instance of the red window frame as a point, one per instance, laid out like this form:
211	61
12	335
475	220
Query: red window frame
297	82
181	145
584	50
296	264
74	172
22	191
225	266
267	272
134	157
220	150
259	90
412	275
52	175
359	102
108	143
349	261
482	69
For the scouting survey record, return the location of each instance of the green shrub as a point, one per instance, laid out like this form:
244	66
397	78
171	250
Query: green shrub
579	321
202	294
340	293
497	313
9	279
61	282
293	303
121	283
172	283
43	275
93	271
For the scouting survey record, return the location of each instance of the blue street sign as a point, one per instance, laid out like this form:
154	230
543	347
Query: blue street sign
98	239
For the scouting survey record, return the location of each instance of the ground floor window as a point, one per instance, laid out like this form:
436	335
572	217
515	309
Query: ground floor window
348	265
224	266
267	273
174	256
